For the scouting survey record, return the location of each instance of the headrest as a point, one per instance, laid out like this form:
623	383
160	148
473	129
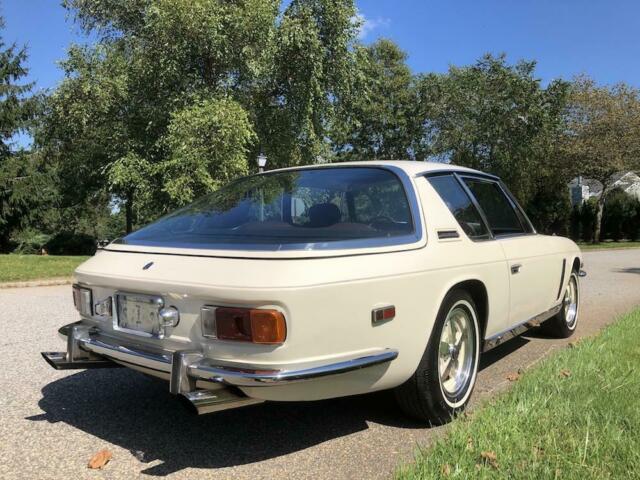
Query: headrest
324	215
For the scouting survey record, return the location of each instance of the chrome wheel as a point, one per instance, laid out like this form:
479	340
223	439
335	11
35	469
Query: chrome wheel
570	302
456	353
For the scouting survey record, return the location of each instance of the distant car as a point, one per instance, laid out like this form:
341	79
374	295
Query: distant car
319	282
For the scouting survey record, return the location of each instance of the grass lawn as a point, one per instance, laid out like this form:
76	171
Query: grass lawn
606	245
576	415
16	268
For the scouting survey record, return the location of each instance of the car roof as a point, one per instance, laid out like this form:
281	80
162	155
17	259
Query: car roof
411	167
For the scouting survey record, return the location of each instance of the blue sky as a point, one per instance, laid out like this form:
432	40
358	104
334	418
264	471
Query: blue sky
567	37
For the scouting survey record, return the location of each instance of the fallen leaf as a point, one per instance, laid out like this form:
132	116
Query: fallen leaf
489	457
100	459
469	443
446	470
513	376
565	373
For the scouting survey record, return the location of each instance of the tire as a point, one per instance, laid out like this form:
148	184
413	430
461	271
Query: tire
563	324
432	393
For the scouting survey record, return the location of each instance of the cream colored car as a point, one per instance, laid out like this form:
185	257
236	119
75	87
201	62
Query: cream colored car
326	281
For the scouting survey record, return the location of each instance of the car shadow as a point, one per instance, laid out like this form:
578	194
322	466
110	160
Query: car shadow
137	413
503	350
629	270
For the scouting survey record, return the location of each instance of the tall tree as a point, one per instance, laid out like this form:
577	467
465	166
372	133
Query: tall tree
16	167
494	117
139	113
377	121
602	134
312	69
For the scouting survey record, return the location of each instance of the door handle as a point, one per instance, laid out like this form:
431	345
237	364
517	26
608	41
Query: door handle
515	268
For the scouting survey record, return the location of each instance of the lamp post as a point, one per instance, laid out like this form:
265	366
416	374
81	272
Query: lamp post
262	162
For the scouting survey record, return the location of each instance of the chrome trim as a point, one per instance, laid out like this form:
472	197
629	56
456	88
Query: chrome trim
410	193
252	376
183	366
582	273
519	329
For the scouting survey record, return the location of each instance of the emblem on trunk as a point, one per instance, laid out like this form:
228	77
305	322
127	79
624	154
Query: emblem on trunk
147	266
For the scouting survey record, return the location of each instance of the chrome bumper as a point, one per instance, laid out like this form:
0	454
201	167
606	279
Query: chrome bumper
89	348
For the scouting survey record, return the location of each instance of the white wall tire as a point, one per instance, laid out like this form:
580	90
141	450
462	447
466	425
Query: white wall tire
565	322
444	380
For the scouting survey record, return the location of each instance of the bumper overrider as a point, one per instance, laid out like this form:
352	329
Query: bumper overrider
207	385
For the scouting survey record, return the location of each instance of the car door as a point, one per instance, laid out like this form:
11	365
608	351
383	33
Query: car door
533	269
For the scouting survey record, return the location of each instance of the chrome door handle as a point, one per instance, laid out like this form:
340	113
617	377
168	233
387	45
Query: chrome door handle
515	268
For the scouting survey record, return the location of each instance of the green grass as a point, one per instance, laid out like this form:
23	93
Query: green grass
16	268
576	415
607	245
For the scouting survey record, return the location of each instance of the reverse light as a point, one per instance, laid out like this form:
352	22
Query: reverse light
83	300
255	325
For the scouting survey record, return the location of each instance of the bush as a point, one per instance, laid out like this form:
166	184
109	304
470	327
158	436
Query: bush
70	243
29	241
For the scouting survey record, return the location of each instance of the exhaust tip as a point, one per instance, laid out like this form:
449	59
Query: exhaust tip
202	402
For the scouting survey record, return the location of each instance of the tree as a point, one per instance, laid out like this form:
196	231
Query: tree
312	70
602	135
18	169
176	96
494	117
377	121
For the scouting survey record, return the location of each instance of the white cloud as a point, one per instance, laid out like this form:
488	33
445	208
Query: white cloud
368	25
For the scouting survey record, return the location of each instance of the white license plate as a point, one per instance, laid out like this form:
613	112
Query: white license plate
139	312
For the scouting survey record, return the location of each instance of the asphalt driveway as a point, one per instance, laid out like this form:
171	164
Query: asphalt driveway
52	422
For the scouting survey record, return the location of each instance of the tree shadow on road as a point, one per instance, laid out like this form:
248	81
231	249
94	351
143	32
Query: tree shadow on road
629	270
137	413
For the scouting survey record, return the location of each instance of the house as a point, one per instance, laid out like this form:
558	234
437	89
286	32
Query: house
582	189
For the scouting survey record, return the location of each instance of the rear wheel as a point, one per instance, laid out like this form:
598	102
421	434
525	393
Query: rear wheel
446	375
564	323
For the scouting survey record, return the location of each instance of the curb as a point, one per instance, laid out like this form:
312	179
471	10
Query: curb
37	283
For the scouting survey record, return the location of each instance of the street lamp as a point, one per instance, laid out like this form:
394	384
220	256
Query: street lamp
262	162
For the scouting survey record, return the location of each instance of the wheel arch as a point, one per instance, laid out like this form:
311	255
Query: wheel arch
576	264
478	291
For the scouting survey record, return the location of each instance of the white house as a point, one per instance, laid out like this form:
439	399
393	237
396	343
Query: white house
582	189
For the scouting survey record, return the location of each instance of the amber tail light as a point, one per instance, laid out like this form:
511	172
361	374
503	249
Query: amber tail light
250	325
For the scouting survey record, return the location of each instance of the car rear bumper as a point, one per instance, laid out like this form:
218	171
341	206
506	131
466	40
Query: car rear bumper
88	347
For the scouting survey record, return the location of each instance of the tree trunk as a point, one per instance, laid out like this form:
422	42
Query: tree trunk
597	225
128	211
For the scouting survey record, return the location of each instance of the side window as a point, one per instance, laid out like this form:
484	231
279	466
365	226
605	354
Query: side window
460	205
501	216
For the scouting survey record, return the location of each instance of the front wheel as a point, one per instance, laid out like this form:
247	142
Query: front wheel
443	382
564	323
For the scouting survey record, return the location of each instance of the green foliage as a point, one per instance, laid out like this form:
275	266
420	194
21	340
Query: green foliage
20	173
621	216
602	134
377	121
208	144
29	241
494	117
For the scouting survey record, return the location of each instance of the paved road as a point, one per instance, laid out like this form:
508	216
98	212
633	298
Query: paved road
52	422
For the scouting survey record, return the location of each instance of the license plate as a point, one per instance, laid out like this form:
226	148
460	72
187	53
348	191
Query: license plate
139	313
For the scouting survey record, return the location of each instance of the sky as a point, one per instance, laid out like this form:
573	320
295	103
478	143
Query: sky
567	37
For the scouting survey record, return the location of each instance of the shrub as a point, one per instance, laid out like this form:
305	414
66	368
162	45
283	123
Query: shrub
70	243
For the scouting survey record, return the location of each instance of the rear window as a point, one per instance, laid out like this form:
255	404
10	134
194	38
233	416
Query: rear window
305	207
